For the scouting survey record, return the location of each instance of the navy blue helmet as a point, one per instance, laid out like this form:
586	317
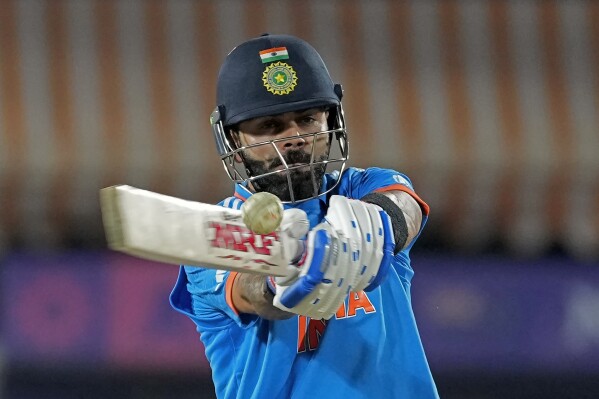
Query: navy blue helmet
271	75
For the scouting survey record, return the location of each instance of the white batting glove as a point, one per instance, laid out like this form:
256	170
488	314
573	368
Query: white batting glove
370	233
320	286
293	230
350	251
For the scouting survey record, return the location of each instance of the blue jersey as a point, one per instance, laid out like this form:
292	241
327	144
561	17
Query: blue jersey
370	349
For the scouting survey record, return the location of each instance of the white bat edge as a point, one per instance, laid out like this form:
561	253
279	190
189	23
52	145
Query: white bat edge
171	230
115	234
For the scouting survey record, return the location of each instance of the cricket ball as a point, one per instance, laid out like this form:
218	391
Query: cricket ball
262	212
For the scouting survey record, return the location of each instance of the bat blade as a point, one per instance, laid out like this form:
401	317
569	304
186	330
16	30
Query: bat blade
176	231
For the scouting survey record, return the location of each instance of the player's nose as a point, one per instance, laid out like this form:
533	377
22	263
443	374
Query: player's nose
292	138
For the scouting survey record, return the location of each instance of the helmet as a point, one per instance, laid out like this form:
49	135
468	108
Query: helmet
271	75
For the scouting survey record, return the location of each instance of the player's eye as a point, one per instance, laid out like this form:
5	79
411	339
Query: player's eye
268	126
308	120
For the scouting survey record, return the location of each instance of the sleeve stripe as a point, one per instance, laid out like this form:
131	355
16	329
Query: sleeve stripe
232	202
229	291
227	202
401	187
237	204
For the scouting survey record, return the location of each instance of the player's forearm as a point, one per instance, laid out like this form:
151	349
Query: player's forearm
411	211
251	295
404	211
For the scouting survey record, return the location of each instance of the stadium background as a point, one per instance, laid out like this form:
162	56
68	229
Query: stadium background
491	107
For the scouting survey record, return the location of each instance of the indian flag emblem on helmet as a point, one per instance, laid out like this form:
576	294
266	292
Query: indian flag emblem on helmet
274	54
279	78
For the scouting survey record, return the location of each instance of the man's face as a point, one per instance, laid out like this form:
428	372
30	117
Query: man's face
294	149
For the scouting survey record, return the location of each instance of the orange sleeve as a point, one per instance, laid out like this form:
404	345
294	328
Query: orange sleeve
229	291
401	187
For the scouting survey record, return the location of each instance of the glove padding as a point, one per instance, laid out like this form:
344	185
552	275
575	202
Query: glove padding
350	251
370	233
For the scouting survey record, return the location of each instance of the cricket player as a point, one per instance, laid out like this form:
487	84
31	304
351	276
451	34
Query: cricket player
342	326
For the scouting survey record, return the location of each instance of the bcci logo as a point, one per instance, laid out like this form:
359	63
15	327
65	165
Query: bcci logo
279	78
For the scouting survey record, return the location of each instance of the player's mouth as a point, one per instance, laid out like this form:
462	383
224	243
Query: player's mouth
292	166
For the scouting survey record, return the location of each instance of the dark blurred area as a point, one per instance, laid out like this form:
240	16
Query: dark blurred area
490	107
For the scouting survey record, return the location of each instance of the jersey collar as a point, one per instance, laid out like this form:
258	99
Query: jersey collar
242	193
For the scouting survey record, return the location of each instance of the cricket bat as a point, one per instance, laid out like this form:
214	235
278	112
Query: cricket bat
172	230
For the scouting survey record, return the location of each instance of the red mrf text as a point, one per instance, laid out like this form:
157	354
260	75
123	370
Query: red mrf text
242	239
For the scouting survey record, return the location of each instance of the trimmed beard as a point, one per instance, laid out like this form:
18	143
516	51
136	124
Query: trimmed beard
305	181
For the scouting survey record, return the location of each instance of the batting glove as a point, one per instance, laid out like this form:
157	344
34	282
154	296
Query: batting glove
351	251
